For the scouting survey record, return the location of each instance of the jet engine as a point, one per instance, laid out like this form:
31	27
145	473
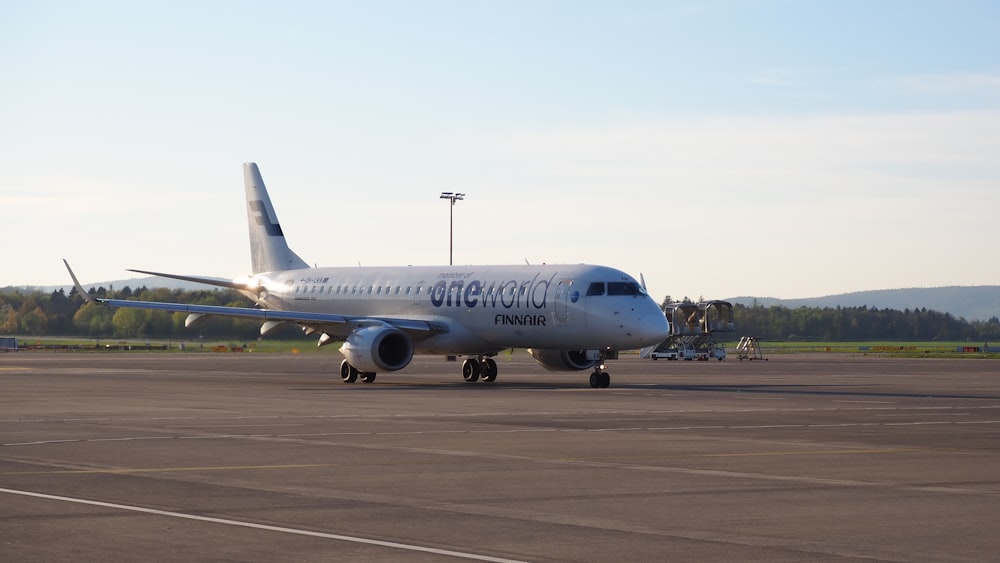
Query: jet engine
565	360
377	348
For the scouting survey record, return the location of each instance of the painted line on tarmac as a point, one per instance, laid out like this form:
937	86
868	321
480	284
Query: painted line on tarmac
281	529
575	461
486	414
501	431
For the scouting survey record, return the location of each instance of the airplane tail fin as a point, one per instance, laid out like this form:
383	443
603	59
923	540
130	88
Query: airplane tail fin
268	250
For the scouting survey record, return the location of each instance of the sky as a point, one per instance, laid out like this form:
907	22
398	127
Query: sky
719	148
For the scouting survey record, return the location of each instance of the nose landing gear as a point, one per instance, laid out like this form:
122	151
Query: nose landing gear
600	379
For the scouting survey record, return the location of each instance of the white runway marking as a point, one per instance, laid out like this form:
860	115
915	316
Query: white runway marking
354	539
505	431
583	417
866	402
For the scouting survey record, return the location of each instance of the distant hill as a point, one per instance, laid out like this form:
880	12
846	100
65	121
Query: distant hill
974	303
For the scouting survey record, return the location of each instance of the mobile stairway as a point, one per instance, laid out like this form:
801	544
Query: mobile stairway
748	348
693	327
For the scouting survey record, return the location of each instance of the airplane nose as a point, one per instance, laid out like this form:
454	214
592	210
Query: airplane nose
653	327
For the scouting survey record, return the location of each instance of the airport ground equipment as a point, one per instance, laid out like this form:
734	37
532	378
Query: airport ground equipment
693	330
748	348
670	354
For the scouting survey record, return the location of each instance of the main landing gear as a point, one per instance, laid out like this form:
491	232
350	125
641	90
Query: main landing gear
482	367
350	374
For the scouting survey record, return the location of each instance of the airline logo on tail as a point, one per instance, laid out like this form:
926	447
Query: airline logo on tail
272	229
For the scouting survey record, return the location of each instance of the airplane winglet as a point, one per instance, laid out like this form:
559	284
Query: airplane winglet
79	288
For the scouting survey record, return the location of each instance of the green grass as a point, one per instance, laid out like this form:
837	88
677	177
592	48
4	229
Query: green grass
950	349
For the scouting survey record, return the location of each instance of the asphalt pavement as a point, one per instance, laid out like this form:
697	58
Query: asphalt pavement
125	456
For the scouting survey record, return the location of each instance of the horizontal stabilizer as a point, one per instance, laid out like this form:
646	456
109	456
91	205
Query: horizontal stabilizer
218	282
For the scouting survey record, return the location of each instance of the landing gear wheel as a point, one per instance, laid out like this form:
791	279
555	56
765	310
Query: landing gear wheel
605	380
348	372
488	370
470	370
368	377
600	379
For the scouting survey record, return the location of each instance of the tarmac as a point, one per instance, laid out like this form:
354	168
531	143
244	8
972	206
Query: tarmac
126	456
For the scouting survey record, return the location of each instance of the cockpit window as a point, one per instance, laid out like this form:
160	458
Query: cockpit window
596	288
624	288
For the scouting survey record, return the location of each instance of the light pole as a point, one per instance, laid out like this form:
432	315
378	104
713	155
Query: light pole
451	222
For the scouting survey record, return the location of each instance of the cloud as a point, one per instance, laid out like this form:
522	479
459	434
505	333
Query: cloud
952	83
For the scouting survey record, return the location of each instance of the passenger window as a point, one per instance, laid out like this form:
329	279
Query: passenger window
596	288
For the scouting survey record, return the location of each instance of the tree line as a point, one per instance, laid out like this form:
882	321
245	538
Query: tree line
860	324
60	314
36	313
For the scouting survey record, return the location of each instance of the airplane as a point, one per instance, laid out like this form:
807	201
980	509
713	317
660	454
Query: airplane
569	317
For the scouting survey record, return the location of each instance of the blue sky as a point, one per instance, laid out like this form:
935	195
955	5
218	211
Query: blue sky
721	148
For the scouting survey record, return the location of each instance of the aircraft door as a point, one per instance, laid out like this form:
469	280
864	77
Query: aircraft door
421	293
564	295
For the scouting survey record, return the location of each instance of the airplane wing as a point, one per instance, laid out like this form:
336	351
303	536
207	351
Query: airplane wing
336	326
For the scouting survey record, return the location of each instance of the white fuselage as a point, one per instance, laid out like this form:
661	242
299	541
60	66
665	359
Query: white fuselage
572	317
481	309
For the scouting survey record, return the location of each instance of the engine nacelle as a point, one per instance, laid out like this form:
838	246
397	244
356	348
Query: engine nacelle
565	360
378	348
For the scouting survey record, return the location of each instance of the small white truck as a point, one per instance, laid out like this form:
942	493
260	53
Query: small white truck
669	354
714	351
719	352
